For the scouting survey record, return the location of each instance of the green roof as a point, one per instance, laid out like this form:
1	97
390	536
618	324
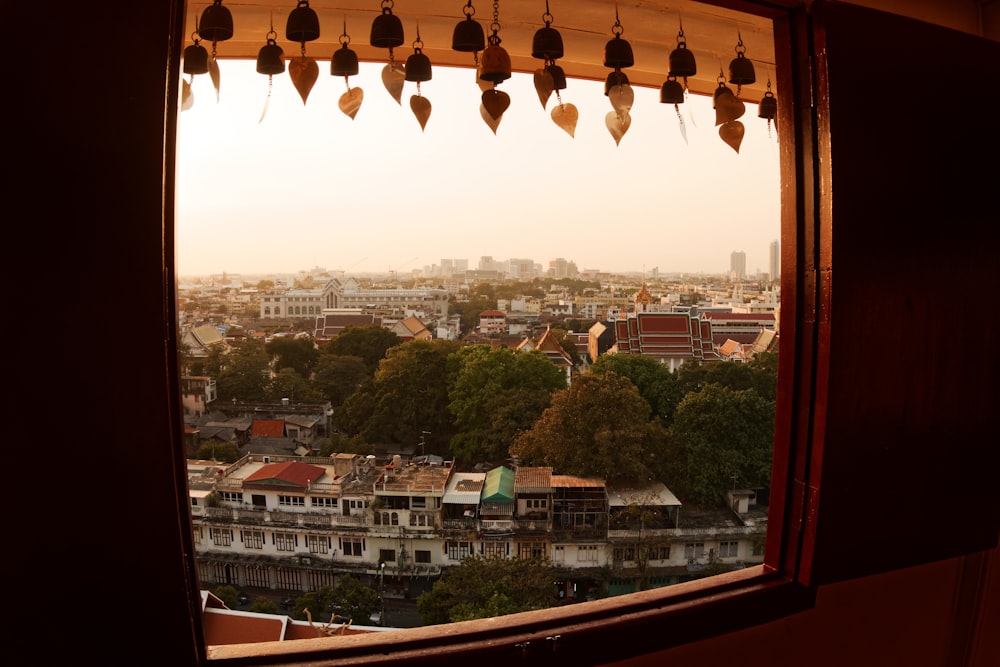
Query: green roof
498	486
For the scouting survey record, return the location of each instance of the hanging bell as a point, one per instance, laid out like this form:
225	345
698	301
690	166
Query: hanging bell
195	59
216	23
741	70
768	107
387	30
618	53
721	90
682	62
344	62
615	78
672	92
547	44
468	36
270	58
495	64
418	66
558	76
303	23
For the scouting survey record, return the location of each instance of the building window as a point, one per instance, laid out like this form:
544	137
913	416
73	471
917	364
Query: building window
422	556
351	546
253	539
531	550
285	541
323	502
222	537
256	576
587	553
694	551
537	503
198	533
292	501
230	497
318	544
459	550
288	579
624	553
387	556
318	578
660	552
496	549
728	549
418	502
558	554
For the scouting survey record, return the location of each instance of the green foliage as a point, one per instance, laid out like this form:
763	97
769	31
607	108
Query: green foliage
494	393
369	343
654	381
349	599
338	443
244	372
718	433
487	587
598	427
262	605
296	352
228	594
211	450
289	384
338	376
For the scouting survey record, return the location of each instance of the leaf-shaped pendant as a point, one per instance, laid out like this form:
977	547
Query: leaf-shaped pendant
728	108
732	133
544	85
213	71
565	116
618	125
421	108
496	102
350	102
490	120
621	97
393	77
303	71
187	97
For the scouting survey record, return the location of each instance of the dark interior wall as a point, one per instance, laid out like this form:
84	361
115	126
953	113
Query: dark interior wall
94	538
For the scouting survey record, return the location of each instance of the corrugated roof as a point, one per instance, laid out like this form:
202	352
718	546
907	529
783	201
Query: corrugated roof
499	485
570	481
533	480
274	428
464	488
654	494
291	472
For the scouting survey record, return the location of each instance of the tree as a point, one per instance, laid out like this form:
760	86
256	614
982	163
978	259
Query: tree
485	385
262	605
228	594
245	372
340	444
487	587
719	434
213	450
370	343
654	381
354	600
338	376
598	427
289	384
296	352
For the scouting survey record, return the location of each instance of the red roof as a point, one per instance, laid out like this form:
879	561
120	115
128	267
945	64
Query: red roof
272	428
291	472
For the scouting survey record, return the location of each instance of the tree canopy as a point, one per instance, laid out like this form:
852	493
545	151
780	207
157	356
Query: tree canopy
369	343
654	381
296	352
337	376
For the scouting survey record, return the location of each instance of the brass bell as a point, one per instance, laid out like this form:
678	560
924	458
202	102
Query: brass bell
721	89
547	44
741	70
671	92
768	107
618	53
495	64
615	78
270	58
418	67
387	30
303	24
195	59
558	76
682	62
468	36
344	62
216	23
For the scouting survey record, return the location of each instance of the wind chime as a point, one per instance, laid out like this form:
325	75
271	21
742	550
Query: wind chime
681	64
548	46
728	109
468	36
216	26
302	27
494	68
768	106
195	62
418	70
387	33
618	55
345	63
270	61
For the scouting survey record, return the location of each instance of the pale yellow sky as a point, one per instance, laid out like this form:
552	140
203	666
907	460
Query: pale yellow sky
309	187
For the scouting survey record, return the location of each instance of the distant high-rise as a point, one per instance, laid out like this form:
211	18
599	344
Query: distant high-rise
774	267
738	265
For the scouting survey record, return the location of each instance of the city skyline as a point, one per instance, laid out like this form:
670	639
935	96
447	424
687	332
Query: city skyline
307	186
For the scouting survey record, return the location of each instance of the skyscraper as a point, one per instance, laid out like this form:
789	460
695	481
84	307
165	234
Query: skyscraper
774	266
737	265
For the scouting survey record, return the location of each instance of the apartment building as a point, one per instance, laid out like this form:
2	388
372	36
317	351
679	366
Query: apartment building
293	524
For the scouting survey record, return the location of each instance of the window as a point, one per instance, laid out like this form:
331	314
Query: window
660	552
387	556
492	549
222	537
291	501
198	532
230	497
351	546
418	502
531	550
256	576
458	550
318	544
253	539
285	541
728	549
558	554
587	553
694	551
422	556
624	553
324	502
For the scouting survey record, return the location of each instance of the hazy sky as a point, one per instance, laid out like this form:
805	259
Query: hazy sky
310	187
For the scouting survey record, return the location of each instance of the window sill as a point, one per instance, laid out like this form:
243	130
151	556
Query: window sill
646	621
